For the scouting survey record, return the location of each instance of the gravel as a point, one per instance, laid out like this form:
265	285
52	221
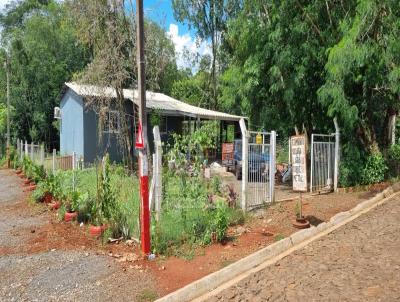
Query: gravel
57	275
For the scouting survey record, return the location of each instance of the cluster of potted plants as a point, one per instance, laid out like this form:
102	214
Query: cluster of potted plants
72	205
30	174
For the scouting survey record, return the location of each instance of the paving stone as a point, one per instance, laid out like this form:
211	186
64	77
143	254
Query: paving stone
357	262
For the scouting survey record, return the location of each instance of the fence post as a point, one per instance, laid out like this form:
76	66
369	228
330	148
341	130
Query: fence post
54	161
26	148
42	154
152	184
157	163
21	154
272	166
18	147
31	154
245	162
73	169
312	163
337	155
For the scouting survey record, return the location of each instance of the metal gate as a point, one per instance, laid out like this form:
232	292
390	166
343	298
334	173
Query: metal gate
260	174
324	162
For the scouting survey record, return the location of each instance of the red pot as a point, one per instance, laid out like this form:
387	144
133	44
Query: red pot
22	175
31	188
27	181
47	198
96	230
69	216
55	205
18	172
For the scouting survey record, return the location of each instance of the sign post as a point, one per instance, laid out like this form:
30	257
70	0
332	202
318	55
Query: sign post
299	173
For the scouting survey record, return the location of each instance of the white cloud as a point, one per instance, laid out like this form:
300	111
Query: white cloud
186	43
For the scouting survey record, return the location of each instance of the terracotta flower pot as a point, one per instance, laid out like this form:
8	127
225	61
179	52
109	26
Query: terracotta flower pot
96	230
22	175
18	172
27	181
48	197
69	216
55	205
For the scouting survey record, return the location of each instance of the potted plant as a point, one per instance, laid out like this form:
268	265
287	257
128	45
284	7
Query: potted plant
105	201
71	206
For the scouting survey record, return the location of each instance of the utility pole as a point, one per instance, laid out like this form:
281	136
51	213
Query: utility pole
143	162
8	110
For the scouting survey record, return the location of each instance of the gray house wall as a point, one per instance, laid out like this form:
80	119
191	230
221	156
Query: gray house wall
71	128
80	133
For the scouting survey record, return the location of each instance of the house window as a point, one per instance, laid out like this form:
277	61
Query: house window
112	122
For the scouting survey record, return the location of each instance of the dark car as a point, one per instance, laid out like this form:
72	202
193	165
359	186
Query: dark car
258	162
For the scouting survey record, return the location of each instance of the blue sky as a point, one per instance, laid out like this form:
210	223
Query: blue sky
161	12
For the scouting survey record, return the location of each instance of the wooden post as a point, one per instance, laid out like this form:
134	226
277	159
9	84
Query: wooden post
54	161
31	154
73	169
245	162
26	148
157	163
42	154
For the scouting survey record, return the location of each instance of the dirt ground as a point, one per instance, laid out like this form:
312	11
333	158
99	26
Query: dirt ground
44	260
47	260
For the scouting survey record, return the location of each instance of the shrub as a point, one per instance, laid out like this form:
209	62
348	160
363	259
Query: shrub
394	160
351	166
374	169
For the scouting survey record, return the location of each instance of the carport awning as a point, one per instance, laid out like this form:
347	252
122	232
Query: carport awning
154	101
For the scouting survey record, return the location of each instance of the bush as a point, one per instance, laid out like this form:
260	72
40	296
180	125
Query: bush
394	160
351	166
374	169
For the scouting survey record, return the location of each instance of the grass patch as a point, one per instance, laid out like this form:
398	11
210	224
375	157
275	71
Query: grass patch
279	237
147	295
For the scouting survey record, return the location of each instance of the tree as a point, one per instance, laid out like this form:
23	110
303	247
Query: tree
209	18
363	73
44	54
106	28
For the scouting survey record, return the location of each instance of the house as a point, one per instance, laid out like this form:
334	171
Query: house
79	128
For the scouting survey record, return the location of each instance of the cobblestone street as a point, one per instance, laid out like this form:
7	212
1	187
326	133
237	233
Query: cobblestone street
358	262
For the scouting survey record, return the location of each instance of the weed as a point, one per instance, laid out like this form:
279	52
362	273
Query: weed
279	237
147	295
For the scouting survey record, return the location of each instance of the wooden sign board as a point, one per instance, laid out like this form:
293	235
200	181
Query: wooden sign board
299	162
227	154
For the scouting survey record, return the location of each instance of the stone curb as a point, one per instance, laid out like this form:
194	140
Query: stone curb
214	280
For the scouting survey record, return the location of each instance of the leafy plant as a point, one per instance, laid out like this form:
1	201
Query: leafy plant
394	160
374	169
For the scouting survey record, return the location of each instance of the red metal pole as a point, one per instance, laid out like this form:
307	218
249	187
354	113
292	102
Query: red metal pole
143	163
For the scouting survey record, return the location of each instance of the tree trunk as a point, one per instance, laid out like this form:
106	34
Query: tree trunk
391	127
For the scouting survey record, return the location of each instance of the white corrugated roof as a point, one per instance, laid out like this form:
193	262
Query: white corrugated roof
154	100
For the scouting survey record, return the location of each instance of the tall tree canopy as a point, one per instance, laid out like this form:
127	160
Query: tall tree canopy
44	53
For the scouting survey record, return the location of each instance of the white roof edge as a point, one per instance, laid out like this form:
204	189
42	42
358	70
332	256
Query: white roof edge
154	100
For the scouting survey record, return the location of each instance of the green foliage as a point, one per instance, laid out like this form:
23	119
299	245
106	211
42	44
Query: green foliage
188	217
374	169
394	160
44	53
216	185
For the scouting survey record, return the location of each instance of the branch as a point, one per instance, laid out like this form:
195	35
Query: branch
314	26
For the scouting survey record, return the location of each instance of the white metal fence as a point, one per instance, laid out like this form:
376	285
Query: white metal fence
258	167
324	162
34	152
